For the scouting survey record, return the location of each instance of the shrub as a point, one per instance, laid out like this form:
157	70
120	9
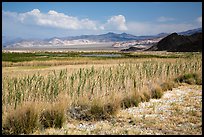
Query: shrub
145	94
167	86
157	92
93	110
53	116
102	109
110	108
112	104
98	108
191	78
97	111
126	102
23	120
131	100
198	79
145	97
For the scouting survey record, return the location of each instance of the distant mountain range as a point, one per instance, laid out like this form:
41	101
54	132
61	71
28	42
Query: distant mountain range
113	37
190	32
83	39
9	40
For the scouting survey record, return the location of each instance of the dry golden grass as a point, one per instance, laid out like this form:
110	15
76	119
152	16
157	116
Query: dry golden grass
23	120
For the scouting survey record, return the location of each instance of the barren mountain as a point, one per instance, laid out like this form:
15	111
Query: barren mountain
179	43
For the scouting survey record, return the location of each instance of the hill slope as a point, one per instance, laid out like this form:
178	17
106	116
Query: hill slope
179	43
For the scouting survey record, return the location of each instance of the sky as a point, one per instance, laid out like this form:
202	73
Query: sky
61	19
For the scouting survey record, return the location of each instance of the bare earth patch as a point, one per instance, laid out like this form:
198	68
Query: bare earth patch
178	112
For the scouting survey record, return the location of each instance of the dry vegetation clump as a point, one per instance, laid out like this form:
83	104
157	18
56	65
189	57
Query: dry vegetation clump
30	116
146	94
131	100
53	114
23	120
112	103
168	85
93	111
52	117
156	92
98	108
189	78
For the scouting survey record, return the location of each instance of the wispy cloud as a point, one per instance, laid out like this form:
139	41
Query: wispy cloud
149	28
165	19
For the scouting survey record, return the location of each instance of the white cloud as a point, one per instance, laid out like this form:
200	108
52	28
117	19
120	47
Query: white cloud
165	19
60	20
35	21
53	19
116	23
199	19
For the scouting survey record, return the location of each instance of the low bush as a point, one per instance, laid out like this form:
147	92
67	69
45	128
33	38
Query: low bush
53	116
145	94
190	78
131	100
97	111
23	120
167	86
145	97
98	108
126	102
198	78
156	92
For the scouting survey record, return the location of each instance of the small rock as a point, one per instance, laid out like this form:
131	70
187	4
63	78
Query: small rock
132	122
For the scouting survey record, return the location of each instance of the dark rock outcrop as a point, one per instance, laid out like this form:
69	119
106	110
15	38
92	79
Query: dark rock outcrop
133	49
179	43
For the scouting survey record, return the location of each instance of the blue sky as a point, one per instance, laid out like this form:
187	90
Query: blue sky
60	19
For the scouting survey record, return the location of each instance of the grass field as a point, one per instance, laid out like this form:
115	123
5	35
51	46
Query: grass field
45	89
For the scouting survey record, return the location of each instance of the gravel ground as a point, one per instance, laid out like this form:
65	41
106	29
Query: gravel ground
178	112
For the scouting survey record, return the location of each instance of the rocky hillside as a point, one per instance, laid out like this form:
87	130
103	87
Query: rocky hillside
179	43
